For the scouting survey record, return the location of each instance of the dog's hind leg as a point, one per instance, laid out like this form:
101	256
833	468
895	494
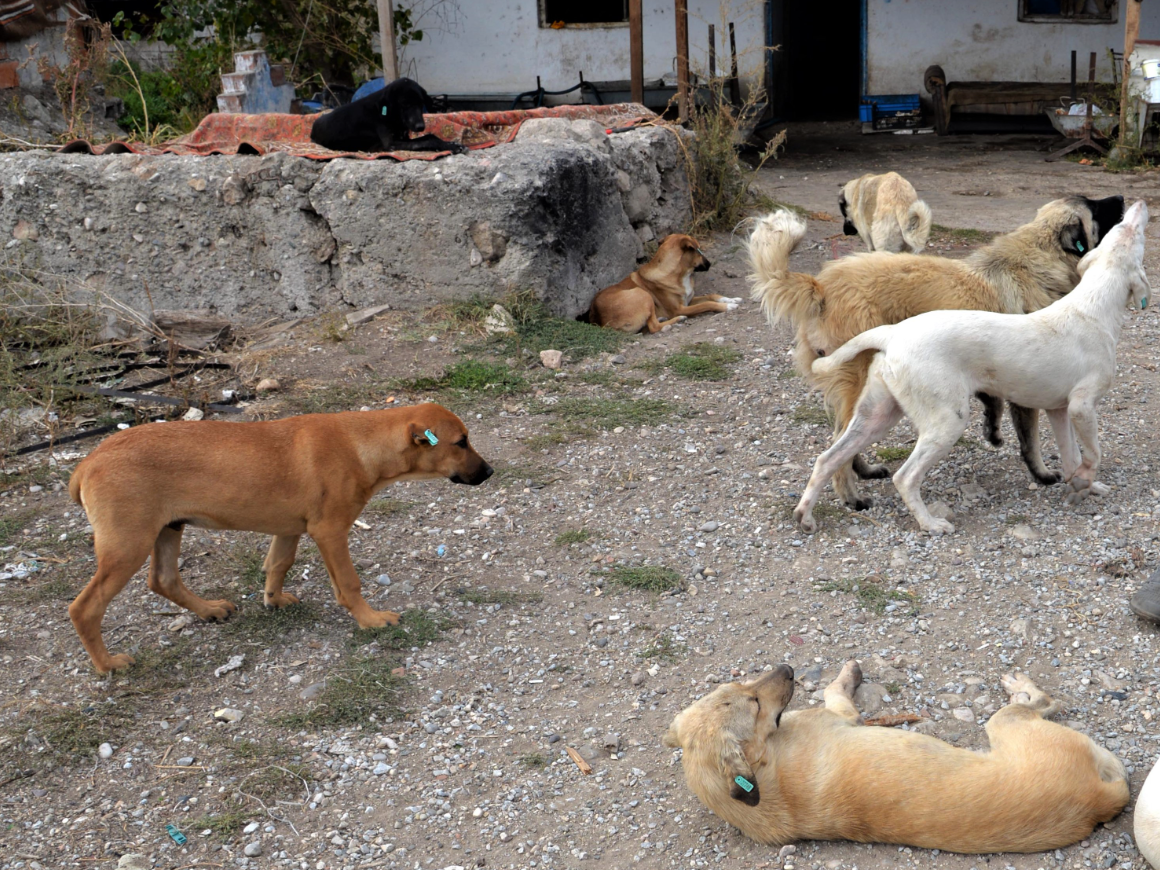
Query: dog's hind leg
938	432
165	579
876	414
118	559
839	695
332	542
279	558
1022	690
1081	410
992	417
1026	423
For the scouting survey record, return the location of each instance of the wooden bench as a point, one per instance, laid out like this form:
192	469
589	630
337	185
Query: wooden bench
989	98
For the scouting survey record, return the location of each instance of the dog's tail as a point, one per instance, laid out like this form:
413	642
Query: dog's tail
915	225
74	485
877	338
783	295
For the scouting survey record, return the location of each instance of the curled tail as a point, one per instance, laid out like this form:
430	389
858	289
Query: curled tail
783	295
916	225
877	338
74	484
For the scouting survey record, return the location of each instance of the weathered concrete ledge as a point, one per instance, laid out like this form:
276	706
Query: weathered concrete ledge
563	210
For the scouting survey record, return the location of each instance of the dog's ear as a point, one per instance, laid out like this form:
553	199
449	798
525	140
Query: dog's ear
1073	238
423	437
842	202
672	738
1139	289
743	786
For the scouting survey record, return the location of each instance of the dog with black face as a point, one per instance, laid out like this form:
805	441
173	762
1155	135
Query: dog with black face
382	121
821	774
1017	273
885	212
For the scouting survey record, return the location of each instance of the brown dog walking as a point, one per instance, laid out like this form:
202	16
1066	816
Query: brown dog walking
311	474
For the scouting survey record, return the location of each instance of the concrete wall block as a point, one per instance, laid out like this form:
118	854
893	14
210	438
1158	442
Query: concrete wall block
255	237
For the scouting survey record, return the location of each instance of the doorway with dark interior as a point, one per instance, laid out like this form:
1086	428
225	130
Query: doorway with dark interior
817	71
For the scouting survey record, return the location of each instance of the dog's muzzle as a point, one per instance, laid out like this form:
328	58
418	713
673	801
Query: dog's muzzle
705	264
485	471
849	229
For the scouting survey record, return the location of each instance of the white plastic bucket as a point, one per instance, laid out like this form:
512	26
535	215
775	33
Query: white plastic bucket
1152	89
1150	68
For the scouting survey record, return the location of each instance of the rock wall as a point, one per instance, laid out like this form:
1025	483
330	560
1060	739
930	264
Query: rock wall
564	210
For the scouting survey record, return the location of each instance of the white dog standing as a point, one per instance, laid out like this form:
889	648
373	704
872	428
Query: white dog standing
1060	358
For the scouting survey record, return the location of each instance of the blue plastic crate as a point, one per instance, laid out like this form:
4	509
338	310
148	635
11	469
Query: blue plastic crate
886	104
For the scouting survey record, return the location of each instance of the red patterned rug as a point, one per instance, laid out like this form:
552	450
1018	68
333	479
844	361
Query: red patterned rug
222	133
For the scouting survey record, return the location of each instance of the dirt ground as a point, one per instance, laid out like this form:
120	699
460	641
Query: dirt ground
633	550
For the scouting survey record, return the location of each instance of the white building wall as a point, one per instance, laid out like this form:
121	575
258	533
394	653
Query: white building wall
498	46
983	40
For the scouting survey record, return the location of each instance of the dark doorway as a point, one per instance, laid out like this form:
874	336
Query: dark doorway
817	73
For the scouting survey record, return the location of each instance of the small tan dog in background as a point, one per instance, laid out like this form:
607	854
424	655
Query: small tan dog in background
886	213
311	475
663	286
820	774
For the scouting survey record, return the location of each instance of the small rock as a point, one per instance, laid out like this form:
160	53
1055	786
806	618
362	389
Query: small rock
552	359
383	579
141	208
228	714
611	742
25	231
499	321
197	184
193	414
133	861
963	714
253	850
619	359
869	698
267	385
786	851
638	678
366	315
942	511
233	664
250	828
105	751
1024	532
185	761
381	768
710	526
312	691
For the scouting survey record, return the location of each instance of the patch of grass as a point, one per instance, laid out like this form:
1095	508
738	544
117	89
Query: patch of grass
332	327
67	735
466	314
603	378
536	329
388	507
609	413
498	596
787	374
509	474
339	397
534	761
574	536
472	376
648	578
164	668
873	595
13	525
223	825
1016	519
766	203
704	361
270	627
894	688
275	781
57	589
894	454
958	234
247	562
812	415
362	689
416	628
663	647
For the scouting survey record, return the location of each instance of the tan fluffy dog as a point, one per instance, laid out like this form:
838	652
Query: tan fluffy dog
663	285
1020	272
885	212
820	774
311	475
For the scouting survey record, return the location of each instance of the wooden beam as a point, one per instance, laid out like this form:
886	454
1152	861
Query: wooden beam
636	50
682	10
387	38
1131	32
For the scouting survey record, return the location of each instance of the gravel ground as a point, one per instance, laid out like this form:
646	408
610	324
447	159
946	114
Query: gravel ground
535	646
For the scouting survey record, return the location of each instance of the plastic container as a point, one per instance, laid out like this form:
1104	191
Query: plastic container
1150	68
1152	89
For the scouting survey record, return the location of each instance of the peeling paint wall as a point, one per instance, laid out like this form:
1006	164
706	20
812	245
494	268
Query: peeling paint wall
499	46
983	40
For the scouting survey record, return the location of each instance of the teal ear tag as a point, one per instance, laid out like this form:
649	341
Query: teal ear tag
384	111
744	783
431	437
1078	245
1143	302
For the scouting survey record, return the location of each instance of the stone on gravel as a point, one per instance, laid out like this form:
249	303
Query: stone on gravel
253	850
105	751
312	691
133	861
267	385
552	359
870	698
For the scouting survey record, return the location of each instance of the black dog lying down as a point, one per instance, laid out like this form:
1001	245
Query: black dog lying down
381	122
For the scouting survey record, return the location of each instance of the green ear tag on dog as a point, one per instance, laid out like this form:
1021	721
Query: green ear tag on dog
431	437
1078	245
744	783
384	111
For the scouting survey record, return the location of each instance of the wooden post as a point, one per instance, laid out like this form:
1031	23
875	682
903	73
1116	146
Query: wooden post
712	52
1131	31
682	10
387	37
734	82
636	50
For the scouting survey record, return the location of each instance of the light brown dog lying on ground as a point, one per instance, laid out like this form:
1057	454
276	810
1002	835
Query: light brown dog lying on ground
664	286
311	475
819	774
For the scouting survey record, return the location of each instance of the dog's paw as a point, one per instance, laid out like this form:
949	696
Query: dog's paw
736	300
1100	488
861	504
116	663
1050	478
805	521
732	306
939	527
277	602
1018	685
456	148
377	618
217	611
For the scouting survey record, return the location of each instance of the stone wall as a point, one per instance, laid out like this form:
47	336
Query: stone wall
564	210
